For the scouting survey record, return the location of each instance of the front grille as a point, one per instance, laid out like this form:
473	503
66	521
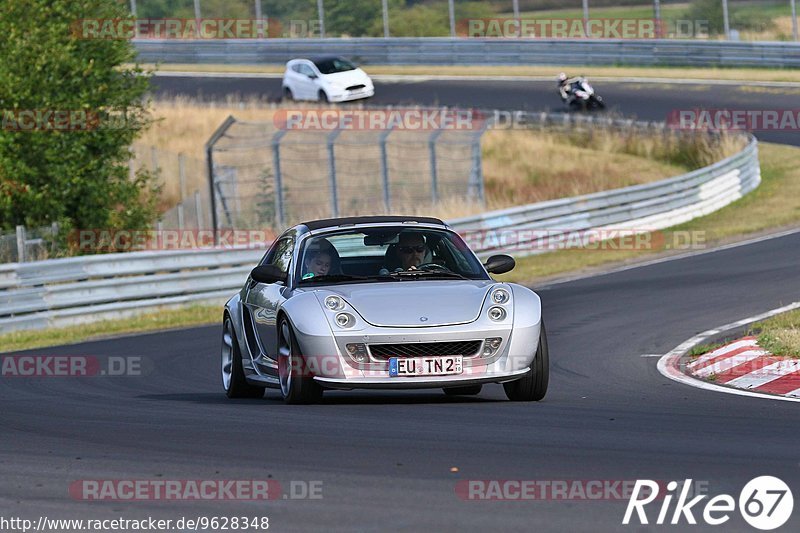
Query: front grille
356	87
424	349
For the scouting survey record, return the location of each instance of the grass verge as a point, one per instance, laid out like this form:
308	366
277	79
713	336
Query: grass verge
700	349
194	315
774	204
780	334
677	73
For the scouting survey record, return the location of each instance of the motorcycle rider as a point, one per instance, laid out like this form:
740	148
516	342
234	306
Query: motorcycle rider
565	88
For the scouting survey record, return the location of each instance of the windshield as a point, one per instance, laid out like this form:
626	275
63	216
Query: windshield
333	65
387	254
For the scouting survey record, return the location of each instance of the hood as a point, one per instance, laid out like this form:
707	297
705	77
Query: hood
348	77
406	303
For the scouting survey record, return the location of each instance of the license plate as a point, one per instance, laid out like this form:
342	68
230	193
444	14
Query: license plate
425	366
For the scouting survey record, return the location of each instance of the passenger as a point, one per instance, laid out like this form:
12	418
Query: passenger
317	263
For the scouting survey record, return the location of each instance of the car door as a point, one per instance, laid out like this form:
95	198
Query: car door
263	300
308	81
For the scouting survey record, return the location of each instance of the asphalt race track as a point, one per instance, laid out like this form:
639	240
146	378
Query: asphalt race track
386	460
647	101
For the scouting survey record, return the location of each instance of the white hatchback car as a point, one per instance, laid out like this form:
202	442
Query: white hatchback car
325	79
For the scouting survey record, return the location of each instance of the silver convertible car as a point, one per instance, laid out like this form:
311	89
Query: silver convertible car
384	302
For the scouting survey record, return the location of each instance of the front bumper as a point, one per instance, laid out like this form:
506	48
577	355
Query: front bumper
346	96
431	382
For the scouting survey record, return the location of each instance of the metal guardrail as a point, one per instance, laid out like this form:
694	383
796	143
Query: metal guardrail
61	292
646	207
486	51
69	291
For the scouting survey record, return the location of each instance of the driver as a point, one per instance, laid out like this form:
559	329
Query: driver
411	249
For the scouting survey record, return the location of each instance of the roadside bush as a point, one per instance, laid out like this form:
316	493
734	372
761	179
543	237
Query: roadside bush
49	173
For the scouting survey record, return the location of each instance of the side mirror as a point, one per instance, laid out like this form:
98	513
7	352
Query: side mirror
268	274
500	264
312	76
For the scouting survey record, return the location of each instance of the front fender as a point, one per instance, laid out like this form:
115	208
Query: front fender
527	323
313	334
234	308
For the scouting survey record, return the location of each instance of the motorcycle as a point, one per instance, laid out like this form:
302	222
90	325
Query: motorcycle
581	96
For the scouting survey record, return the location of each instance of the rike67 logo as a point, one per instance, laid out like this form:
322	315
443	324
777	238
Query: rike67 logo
765	503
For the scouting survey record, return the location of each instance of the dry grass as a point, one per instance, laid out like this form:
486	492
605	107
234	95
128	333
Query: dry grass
779	30
528	166
520	166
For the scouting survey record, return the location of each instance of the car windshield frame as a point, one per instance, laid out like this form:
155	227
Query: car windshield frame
328	65
454	244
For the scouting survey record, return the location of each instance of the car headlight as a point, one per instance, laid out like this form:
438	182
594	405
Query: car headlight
500	296
497	313
345	320
334	303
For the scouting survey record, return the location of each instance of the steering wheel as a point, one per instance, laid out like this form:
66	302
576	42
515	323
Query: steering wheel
432	267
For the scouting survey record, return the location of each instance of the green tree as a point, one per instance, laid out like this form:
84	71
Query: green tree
77	178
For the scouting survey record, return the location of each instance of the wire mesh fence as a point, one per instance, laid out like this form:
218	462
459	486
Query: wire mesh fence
264	174
184	186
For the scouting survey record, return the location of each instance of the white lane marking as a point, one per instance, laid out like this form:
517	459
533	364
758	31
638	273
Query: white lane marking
668	364
722	351
650	355
795	393
729	363
764	375
446	77
678	257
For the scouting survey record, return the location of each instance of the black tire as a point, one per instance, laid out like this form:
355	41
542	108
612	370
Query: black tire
533	385
287	94
466	390
235	385
323	97
297	386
